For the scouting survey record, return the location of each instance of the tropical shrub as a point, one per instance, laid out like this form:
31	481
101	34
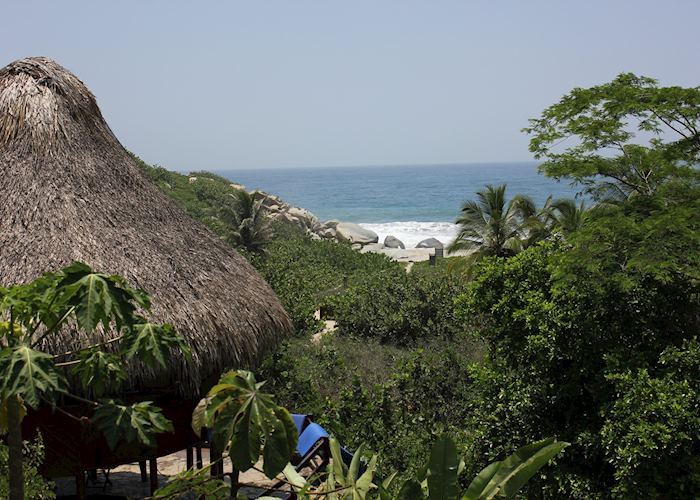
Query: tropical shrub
402	308
306	274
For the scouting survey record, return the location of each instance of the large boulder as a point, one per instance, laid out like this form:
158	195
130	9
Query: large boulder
331	224
393	242
347	231
372	247
430	243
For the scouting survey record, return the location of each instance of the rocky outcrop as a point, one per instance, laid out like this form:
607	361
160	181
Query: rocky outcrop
279	210
353	233
393	242
430	243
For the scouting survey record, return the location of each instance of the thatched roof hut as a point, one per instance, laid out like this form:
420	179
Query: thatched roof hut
72	192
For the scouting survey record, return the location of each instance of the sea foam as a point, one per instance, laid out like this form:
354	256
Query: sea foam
412	232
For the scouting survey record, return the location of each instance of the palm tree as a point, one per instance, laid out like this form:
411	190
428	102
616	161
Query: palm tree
250	226
490	226
568	216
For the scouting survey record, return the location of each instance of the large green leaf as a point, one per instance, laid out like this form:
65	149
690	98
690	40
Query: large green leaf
513	472
99	371
280	443
152	342
364	483
244	420
28	373
478	484
442	472
139	422
99	298
338	464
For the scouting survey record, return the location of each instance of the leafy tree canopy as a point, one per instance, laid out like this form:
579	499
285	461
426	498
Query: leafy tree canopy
629	136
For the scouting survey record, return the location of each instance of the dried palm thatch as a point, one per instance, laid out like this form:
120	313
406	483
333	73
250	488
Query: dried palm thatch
72	192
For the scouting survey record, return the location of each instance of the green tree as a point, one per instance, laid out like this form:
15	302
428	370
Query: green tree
491	225
573	330
567	215
33	313
250	227
627	137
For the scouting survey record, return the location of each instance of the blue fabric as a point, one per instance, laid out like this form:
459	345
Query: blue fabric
299	421
309	437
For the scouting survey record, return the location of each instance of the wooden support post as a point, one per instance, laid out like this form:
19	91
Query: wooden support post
144	472
154	474
200	462
213	457
80	486
190	458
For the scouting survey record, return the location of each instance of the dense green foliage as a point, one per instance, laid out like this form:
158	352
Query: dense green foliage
581	325
394	400
35	487
608	124
581	328
399	307
307	274
29	376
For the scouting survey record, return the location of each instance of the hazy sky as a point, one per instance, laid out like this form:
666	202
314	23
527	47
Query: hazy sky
214	84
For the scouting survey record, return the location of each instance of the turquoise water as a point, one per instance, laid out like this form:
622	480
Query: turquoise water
428	193
410	202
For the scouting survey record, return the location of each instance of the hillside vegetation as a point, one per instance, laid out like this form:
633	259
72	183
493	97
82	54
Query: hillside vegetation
575	324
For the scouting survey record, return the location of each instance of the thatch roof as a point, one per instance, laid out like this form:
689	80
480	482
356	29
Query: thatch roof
70	191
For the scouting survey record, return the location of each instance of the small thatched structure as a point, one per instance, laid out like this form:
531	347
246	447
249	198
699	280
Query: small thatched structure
72	192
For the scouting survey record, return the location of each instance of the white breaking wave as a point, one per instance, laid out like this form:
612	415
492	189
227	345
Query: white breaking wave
412	232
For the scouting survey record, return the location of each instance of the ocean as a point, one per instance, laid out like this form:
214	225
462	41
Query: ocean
411	202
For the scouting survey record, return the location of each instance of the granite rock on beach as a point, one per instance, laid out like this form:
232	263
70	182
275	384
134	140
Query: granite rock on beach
393	242
430	243
354	233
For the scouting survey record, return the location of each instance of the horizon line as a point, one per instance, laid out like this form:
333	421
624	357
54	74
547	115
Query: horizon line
292	167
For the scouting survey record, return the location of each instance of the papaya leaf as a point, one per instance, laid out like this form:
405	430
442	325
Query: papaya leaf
244	420
99	298
90	294
442	471
28	373
280	443
517	469
139	422
99	371
152	342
